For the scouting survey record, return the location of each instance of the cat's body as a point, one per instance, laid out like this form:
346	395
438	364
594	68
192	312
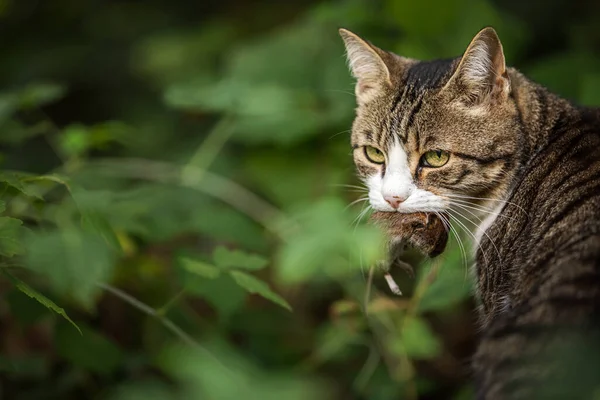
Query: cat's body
472	137
538	268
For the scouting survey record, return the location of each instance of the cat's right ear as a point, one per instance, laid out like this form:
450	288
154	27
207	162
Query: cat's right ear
366	64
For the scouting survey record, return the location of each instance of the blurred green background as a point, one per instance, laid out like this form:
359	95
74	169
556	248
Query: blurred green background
175	198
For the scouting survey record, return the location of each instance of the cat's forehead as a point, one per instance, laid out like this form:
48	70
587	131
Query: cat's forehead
426	75
392	114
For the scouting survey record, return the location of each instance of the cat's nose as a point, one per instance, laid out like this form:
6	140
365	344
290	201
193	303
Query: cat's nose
394	201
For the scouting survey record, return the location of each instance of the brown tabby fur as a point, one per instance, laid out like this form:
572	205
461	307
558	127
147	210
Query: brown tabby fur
512	143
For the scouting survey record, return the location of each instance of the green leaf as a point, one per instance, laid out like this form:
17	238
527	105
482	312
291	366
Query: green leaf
32	95
40	298
333	341
226	258
159	212
17	180
90	350
73	260
10	233
325	244
222	293
199	268
254	285
39	94
94	222
227	375
75	140
450	286
418	340
274	99
145	389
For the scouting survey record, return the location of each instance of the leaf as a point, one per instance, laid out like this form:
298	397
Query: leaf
227	375
274	99
333	340
169	56
75	140
450	285
325	244
58	179
417	339
159	212
17	181
10	233
32	95
73	260
254	285
90	350
94	222
39	94
226	258
40	298
199	268
145	390
222	292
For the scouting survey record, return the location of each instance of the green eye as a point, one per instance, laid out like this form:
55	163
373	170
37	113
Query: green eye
435	158
374	155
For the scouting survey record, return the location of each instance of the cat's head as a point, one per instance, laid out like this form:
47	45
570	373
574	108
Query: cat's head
432	134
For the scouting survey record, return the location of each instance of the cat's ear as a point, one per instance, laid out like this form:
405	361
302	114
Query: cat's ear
367	64
481	73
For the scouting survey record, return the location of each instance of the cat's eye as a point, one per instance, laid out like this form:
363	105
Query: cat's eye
374	155
435	158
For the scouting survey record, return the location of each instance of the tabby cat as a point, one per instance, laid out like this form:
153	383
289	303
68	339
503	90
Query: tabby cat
473	138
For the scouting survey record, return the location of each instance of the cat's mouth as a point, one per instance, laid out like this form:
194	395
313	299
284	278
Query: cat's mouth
426	232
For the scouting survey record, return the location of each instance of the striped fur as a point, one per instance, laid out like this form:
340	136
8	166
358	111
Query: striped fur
526	163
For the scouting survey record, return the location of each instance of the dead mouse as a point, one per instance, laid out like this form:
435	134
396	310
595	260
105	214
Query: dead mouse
425	232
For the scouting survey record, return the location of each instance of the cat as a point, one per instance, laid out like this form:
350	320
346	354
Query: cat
472	136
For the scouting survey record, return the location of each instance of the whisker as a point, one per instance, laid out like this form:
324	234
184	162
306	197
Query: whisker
463	252
339	133
360	216
356	201
341	91
479	208
484	232
352	188
488	199
475	240
348	186
466	229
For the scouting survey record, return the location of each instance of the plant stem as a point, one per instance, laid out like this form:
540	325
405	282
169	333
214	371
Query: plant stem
166	322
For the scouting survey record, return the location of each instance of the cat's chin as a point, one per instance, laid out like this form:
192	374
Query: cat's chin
423	231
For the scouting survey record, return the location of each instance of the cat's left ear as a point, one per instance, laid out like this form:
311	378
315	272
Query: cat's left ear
481	73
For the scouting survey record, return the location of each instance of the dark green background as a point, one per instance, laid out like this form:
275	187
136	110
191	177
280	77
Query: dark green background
193	155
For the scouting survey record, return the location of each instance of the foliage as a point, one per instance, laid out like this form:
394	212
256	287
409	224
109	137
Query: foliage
173	189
